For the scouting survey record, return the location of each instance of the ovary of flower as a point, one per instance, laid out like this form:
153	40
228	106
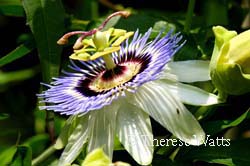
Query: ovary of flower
101	43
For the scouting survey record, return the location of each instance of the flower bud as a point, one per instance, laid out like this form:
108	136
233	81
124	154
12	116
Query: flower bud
230	62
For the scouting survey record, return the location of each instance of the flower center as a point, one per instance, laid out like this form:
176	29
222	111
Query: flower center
117	76
104	80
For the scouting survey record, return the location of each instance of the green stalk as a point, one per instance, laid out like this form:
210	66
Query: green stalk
189	16
48	152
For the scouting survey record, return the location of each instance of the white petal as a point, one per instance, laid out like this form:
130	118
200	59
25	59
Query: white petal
135	133
76	141
102	129
156	100
188	71
190	94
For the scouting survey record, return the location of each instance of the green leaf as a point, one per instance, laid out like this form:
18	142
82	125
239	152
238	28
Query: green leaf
189	51
112	22
19	52
217	126
163	27
19	75
22	156
7	155
46	20
230	153
11	8
228	162
3	116
37	143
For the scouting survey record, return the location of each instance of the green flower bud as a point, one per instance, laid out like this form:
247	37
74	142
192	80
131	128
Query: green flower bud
230	62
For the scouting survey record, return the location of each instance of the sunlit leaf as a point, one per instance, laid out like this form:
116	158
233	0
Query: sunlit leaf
7	155
46	20
19	52
22	156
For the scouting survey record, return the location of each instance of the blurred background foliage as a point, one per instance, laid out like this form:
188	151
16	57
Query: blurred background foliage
29	55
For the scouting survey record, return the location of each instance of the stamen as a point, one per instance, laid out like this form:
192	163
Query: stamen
78	44
64	39
103	43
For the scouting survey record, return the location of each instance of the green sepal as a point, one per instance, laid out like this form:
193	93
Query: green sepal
230	79
230	66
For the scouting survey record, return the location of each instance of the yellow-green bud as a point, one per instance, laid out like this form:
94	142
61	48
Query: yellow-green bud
230	62
96	157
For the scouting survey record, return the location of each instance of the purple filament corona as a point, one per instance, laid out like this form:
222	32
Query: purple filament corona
91	86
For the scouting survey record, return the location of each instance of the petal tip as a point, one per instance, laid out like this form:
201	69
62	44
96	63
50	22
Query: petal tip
146	160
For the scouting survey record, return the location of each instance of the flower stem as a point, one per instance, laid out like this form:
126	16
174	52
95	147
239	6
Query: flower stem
43	156
189	15
109	63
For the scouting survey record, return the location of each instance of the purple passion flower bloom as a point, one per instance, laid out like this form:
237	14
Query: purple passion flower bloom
105	103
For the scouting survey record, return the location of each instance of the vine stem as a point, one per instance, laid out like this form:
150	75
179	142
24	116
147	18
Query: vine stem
48	152
189	15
